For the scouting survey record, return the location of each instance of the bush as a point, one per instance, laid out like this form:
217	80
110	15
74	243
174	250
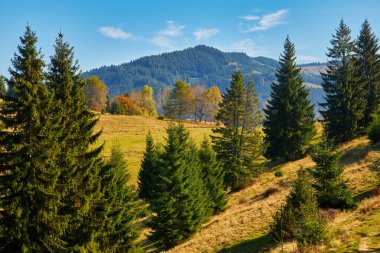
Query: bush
374	128
312	232
278	173
332	191
299	218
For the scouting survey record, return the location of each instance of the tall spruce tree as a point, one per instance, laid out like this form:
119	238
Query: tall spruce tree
331	189
30	199
181	207
79	180
213	176
368	70
289	125
344	92
119	206
148	172
238	143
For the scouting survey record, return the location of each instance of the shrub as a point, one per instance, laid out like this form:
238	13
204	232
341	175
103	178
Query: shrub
332	191
299	218
312	232
278	173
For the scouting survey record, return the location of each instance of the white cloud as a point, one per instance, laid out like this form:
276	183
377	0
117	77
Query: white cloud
172	29
165	37
268	21
115	32
162	41
307	58
250	17
204	33
247	46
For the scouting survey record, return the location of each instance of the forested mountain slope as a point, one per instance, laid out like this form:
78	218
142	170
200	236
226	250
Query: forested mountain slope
199	65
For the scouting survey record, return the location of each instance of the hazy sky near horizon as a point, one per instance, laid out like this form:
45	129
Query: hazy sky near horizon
113	32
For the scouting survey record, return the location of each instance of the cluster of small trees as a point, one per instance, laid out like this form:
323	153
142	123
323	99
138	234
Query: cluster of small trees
352	83
323	186
352	88
183	185
241	146
183	101
136	103
196	101
57	194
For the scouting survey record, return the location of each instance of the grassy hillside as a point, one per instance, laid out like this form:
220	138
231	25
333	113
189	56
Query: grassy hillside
130	133
244	226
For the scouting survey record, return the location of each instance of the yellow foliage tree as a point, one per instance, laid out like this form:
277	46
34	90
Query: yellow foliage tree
96	92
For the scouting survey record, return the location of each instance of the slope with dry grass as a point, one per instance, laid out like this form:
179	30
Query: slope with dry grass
243	227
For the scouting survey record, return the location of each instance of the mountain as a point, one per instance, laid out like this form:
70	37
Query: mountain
200	65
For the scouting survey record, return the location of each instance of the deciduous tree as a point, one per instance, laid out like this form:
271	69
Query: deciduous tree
96	92
181	101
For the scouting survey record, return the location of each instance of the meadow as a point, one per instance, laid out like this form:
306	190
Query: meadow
129	132
244	226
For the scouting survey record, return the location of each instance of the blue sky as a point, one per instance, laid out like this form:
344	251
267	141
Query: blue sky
114	32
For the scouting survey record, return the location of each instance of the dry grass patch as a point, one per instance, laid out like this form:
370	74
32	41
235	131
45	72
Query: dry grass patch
250	211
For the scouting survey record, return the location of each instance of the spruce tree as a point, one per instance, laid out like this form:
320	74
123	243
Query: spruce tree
3	89
120	207
238	143
289	125
148	172
299	218
213	177
30	197
368	71
79	180
374	127
344	92
331	189
181	206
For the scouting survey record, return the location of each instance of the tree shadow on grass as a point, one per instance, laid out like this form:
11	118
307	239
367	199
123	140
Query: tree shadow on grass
254	245
364	195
